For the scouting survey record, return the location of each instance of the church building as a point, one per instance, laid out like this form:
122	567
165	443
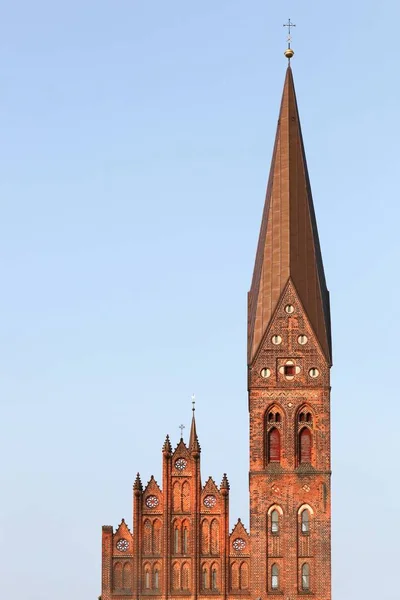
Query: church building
181	545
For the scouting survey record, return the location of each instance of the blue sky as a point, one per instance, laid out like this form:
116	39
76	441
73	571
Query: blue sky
135	145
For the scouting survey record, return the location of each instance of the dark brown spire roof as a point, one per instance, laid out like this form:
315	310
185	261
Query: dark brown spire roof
193	440
288	246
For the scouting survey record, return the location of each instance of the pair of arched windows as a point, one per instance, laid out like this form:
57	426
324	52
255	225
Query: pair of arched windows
304	437
152	577
305	578
274	517
181	538
210	578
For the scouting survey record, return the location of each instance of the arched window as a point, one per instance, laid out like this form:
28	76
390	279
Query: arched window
156	579
127	576
185	538
275	522
244	576
147	578
205	537
176	540
118	576
305	445
214	530
205	578
235	576
214	580
277	418
185	497
176	584
157	537
147	535
274	446
305	521
185	576
275	577
309	417
305	577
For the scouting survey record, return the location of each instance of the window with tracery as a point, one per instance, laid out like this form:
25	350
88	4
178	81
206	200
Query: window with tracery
305	445
273	432
204	578
274	446
156	578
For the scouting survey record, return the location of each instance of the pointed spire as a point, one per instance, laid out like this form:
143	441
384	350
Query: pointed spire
167	448
137	486
288	245
194	445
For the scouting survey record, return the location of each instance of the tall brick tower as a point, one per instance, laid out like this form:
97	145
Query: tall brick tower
289	359
181	545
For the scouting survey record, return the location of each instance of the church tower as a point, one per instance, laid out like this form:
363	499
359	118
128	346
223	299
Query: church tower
181	544
289	360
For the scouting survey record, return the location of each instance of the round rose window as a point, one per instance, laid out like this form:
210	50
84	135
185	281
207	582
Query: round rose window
151	501
210	501
180	464
239	544
122	545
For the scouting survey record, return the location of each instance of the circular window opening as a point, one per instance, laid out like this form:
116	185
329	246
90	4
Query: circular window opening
302	339
276	339
313	372
289	309
265	373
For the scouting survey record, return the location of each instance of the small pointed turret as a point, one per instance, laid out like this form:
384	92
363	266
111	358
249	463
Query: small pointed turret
224	487
167	448
137	486
288	245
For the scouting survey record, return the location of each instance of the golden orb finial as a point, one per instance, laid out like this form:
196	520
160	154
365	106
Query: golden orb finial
289	53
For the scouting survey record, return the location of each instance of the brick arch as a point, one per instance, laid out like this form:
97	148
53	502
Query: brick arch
276	409
234	576
214	576
305	507
176	496
205	576
127	576
304	408
176	535
214	537
244	576
117	576
185	536
185	576
157	576
156	536
146	576
176	576
147	536
275	507
205	537
185	496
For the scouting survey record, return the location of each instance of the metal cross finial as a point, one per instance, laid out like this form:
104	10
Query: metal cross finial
193	402
181	427
289	25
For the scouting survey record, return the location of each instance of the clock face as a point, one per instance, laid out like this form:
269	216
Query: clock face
122	545
180	464
239	544
210	501
152	501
